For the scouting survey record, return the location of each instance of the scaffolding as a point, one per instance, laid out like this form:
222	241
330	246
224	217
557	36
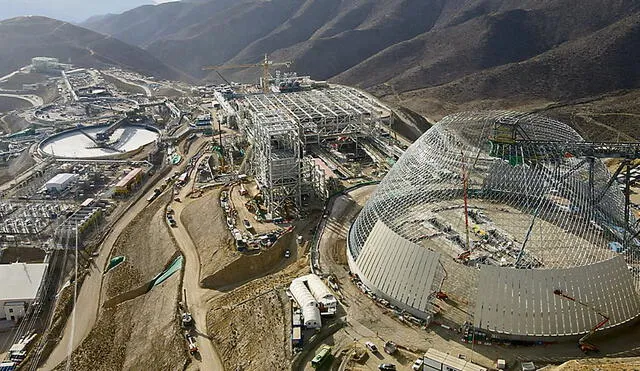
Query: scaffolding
277	159
281	126
325	113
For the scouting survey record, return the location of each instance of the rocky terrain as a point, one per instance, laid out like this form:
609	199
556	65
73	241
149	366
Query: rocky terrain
32	36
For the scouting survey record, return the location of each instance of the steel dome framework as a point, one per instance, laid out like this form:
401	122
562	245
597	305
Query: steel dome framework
540	207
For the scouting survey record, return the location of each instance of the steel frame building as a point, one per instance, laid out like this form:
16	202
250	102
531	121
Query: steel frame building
520	208
281	126
277	158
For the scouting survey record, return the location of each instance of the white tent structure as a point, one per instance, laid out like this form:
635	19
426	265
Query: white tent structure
321	293
307	303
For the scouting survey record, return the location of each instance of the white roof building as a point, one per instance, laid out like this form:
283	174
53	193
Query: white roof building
321	292
20	281
60	181
307	303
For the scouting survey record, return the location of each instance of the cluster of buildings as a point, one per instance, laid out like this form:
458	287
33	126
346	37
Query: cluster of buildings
314	300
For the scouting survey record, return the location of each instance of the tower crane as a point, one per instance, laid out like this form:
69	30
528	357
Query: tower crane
266	64
582	342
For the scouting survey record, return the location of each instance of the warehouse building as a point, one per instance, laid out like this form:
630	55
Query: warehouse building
60	182
129	182
326	300
19	288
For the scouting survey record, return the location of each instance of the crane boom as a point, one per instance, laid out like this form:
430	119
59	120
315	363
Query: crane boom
266	64
582	342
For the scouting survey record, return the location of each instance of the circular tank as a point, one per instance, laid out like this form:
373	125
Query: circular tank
80	143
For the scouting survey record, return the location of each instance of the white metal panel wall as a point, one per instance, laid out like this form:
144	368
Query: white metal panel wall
399	268
522	302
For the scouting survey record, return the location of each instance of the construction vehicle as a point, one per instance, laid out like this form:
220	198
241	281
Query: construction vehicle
582	342
186	319
322	356
191	342
266	64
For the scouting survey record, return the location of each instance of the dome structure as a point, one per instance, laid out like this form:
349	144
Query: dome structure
494	209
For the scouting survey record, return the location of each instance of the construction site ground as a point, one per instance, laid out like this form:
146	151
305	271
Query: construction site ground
206	224
142	330
368	321
251	324
144	259
248	320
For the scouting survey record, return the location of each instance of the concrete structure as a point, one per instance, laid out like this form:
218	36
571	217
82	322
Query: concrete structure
327	301
60	182
129	181
19	288
82	143
511	229
307	303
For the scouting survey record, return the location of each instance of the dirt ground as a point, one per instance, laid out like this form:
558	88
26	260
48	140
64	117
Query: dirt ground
141	333
13	123
15	167
148	247
618	364
251	324
206	224
10	104
22	254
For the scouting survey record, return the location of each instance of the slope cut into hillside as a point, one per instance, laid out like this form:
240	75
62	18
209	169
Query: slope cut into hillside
28	37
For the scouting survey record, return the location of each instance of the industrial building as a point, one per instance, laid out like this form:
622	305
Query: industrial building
307	303
513	212
129	181
60	182
314	298
435	360
84	219
19	288
283	128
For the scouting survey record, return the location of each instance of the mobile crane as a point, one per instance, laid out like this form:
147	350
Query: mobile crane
582	342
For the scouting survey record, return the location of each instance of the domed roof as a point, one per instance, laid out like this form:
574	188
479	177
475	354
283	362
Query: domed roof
499	210
540	200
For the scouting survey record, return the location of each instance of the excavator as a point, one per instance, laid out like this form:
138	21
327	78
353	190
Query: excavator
582	342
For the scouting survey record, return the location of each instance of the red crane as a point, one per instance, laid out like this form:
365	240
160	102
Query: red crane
582	343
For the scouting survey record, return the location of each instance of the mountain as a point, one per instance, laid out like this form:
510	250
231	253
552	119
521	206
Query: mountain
67	10
433	56
28	37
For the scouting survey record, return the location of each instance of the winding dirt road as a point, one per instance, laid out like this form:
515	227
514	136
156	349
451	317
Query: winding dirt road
196	296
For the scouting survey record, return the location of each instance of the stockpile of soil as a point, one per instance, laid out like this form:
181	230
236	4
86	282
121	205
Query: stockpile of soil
142	333
251	324
206	224
148	247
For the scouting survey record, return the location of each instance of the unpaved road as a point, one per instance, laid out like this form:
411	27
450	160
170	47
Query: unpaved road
89	296
196	296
